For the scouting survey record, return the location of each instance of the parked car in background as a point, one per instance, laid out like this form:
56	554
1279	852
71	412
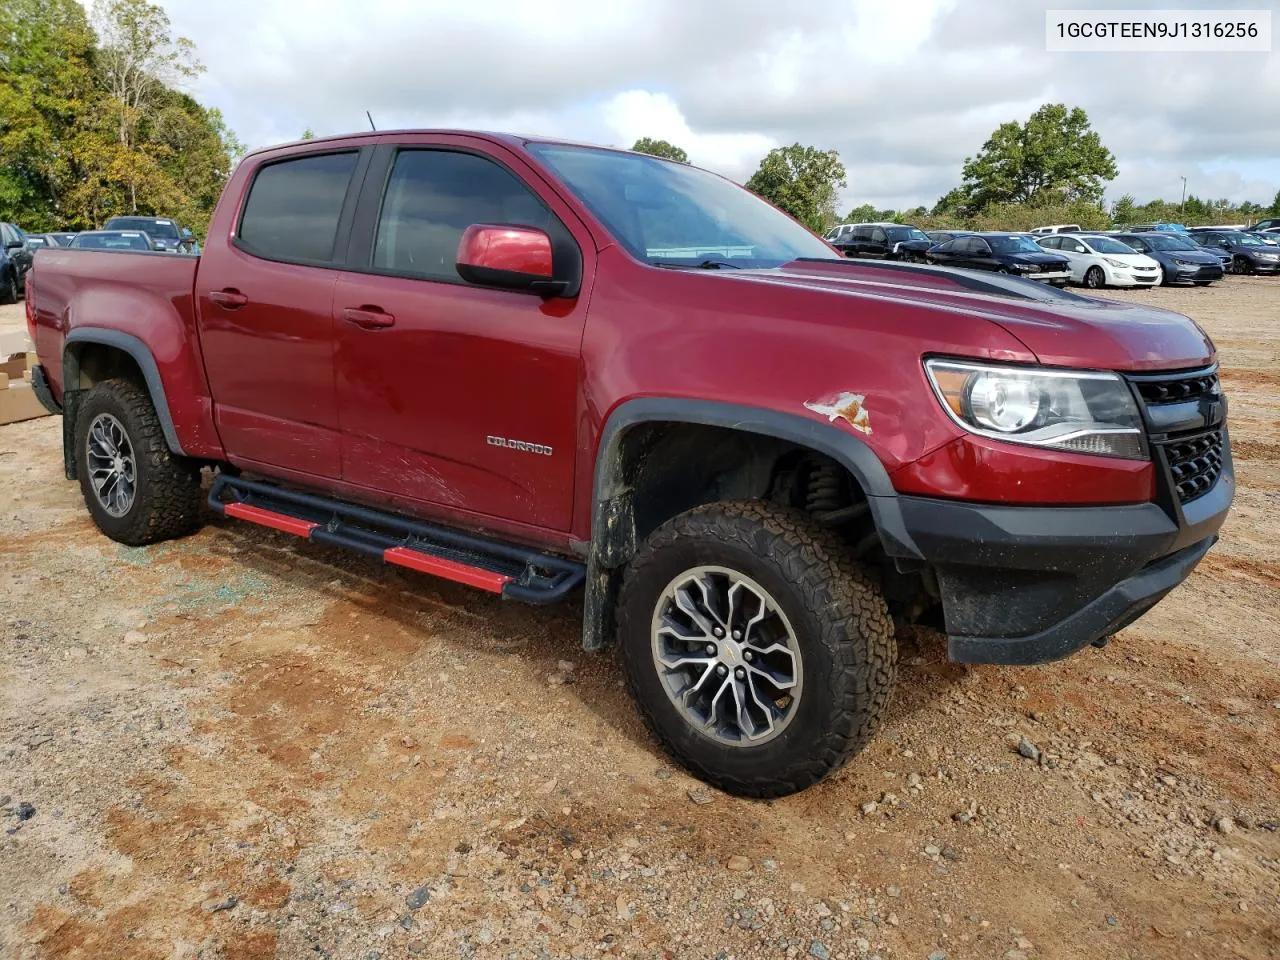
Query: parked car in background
1100	261
1181	259
942	236
1248	253
60	238
114	240
166	233
1056	228
1272	224
883	241
1270	239
1157	228
16	251
1011	253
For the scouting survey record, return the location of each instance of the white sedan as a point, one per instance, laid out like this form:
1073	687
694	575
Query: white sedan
1099	261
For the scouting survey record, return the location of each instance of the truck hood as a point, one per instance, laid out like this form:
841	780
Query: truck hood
1061	328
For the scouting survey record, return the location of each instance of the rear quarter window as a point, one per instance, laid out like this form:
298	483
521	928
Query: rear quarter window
294	206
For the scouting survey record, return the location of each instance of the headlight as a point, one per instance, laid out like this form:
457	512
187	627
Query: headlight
1118	263
1079	411
1025	266
1184	263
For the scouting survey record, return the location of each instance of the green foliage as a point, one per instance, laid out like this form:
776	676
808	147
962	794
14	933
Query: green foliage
660	148
1054	158
92	129
308	134
1194	213
803	181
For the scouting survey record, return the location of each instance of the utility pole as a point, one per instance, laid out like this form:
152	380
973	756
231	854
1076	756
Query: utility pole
1182	207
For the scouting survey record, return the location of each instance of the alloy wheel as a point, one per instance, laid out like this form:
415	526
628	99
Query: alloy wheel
113	471
727	656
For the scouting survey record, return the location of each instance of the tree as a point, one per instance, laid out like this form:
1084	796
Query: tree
1124	210
63	163
868	213
802	181
660	148
139	59
1054	158
308	134
46	87
1274	209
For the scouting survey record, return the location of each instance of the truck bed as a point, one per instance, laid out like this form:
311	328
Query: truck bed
73	288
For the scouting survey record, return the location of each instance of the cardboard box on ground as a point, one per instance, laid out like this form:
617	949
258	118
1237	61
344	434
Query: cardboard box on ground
17	399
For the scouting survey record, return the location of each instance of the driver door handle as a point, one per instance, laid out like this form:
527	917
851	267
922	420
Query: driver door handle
368	317
229	299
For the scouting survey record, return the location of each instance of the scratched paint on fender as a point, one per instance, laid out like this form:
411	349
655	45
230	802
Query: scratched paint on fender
847	407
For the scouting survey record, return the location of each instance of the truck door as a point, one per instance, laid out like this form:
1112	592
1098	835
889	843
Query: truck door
265	300
463	397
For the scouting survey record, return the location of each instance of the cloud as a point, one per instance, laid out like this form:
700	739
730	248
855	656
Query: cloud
904	92
638	113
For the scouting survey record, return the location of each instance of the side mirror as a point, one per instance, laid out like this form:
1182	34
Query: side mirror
509	257
14	245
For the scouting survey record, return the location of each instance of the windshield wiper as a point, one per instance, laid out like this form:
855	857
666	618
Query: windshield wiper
704	265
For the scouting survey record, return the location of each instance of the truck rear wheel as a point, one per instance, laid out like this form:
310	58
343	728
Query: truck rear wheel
760	654
136	490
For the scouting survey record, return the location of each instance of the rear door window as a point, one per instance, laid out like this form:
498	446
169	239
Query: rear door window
878	236
294	207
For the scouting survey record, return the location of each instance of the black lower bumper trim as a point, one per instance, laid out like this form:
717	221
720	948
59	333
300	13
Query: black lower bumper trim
1117	608
40	386
1029	584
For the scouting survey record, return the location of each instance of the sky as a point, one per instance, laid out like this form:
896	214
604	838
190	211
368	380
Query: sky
903	91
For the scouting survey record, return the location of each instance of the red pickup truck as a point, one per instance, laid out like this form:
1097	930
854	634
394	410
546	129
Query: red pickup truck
535	367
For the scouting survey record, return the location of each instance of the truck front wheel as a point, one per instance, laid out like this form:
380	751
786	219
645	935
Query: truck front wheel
760	654
136	490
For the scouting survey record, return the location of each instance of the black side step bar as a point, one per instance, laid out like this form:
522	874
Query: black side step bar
514	572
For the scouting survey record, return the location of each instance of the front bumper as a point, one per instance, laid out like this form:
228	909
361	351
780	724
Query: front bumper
1132	278
1048	276
1024	585
1196	273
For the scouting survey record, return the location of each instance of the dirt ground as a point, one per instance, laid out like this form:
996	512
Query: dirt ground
240	745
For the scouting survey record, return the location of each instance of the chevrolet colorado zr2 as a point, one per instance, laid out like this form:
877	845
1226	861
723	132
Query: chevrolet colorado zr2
540	368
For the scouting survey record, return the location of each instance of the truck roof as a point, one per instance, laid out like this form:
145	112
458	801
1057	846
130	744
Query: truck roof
511	139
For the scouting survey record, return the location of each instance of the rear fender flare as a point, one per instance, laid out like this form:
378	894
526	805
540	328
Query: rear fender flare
141	355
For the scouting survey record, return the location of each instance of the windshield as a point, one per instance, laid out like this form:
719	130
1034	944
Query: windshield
1165	242
899	234
160	229
665	212
1108	245
1014	245
111	241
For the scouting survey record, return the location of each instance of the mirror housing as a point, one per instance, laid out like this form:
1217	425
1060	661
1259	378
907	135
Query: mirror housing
15	245
509	257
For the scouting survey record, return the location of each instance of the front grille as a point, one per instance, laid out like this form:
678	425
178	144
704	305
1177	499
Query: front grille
1194	463
1193	454
1174	388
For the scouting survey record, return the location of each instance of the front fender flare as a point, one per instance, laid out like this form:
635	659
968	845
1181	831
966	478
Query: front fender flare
613	536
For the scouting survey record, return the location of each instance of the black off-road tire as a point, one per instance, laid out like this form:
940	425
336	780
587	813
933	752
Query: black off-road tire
167	502
842	626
